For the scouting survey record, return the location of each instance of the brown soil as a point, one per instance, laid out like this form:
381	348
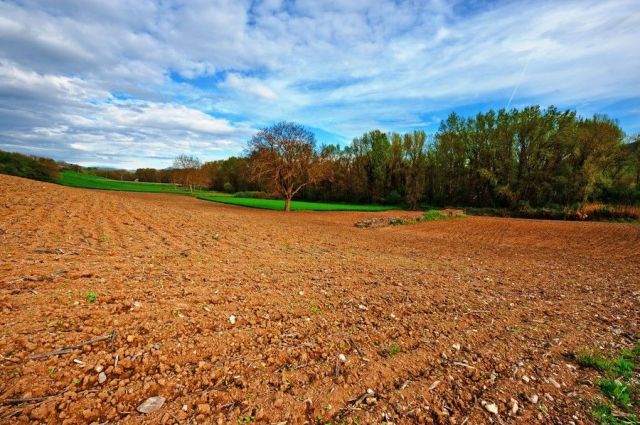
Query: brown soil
447	315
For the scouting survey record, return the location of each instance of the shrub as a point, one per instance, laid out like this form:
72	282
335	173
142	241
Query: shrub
597	211
393	198
227	187
30	167
589	212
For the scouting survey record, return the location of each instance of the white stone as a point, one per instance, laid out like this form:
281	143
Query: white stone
151	404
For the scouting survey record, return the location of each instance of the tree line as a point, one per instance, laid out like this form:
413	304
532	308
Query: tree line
508	158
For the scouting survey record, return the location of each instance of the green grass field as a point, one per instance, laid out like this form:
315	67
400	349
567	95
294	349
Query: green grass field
278	204
88	181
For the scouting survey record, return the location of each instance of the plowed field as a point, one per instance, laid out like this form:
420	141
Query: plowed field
436	319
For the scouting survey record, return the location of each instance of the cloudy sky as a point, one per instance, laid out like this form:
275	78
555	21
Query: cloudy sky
135	83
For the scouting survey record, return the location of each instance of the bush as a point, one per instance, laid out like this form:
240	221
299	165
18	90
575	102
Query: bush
227	187
597	211
618	194
30	167
588	212
393	198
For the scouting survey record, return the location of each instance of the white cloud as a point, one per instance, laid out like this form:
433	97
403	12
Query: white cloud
344	66
73	120
249	85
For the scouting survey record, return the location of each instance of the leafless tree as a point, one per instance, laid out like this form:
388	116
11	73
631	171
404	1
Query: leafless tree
187	170
284	157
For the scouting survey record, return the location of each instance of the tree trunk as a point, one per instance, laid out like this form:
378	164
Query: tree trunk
287	204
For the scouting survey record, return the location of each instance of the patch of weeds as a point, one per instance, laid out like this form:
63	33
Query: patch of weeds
246	419
593	361
604	415
543	409
315	309
51	372
617	391
400	221
393	350
622	366
76	381
616	385
92	297
435	215
103	239
429	215
632	354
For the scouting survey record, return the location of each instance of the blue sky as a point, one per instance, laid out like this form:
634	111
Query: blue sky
132	84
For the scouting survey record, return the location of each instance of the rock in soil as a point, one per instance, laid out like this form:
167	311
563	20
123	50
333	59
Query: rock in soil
151	404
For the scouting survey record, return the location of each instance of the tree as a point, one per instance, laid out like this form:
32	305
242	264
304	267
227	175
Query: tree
147	175
635	160
415	158
187	171
284	157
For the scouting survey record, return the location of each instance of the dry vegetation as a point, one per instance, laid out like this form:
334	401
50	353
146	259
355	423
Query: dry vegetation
237	315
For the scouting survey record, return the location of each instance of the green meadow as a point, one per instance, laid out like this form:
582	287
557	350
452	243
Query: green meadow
278	204
89	181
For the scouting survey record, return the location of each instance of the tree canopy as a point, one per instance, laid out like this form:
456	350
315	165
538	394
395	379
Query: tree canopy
283	157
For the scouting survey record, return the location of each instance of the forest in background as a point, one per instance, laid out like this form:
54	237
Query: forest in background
514	159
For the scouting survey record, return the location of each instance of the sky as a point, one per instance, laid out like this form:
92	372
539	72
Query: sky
135	83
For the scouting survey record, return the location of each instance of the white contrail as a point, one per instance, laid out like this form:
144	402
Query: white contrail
524	70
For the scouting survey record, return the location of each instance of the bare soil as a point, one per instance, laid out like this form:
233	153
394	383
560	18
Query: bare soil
439	319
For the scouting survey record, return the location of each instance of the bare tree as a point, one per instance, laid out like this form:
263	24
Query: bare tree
187	169
284	157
